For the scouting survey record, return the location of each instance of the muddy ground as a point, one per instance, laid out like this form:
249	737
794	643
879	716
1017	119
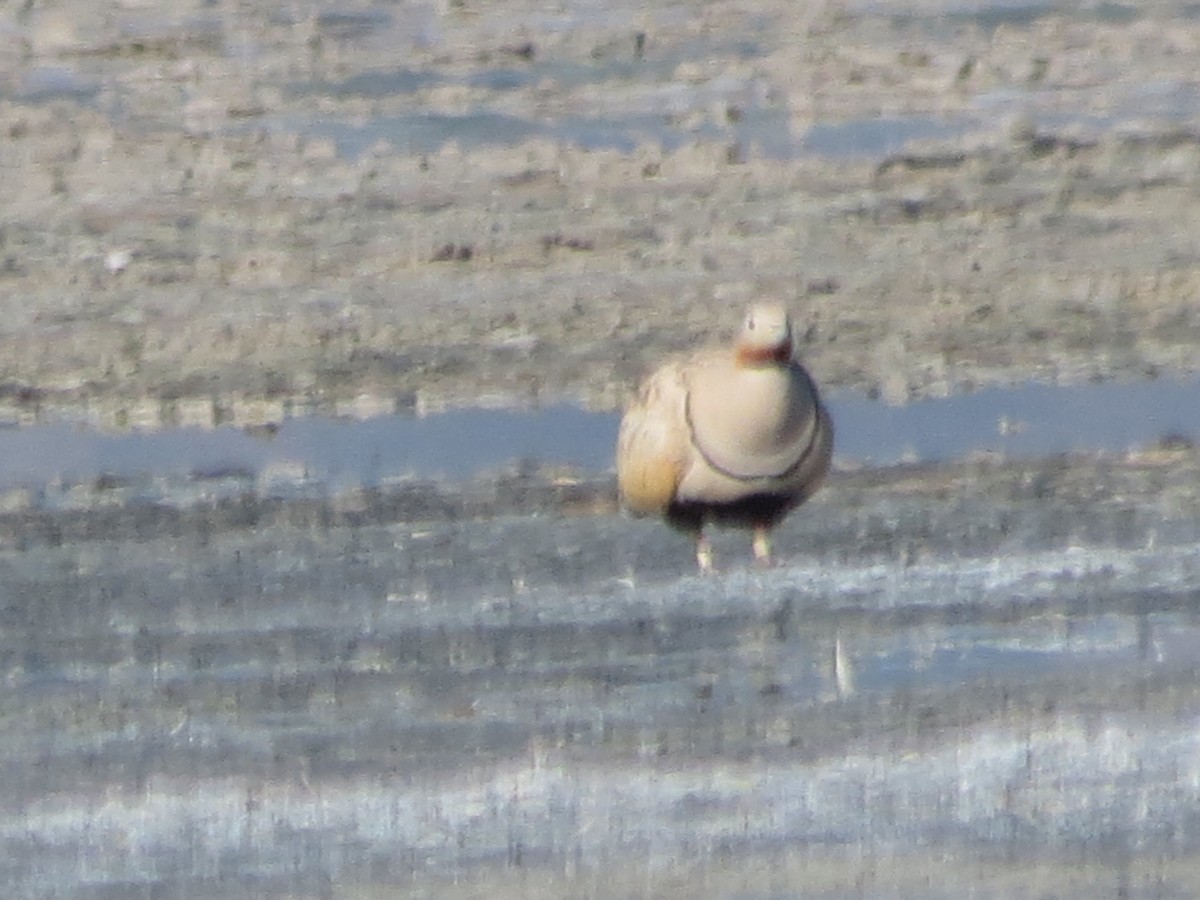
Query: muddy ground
223	202
969	678
974	677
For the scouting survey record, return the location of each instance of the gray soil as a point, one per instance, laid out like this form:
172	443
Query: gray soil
974	677
288	203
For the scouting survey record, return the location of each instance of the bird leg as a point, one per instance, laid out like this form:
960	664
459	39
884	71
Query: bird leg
762	545
704	556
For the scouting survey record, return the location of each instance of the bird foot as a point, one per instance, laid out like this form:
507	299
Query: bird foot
762	548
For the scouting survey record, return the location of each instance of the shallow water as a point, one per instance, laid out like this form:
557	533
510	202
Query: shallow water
1026	421
256	712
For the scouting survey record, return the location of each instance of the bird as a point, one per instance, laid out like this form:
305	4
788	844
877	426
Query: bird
734	435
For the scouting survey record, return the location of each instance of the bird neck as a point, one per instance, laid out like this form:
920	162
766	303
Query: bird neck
749	356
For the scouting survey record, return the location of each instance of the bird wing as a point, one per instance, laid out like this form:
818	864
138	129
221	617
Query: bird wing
653	445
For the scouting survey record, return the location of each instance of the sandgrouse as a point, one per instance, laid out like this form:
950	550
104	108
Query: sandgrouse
734	435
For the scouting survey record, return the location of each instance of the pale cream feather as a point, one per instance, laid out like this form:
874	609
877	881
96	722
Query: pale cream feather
710	428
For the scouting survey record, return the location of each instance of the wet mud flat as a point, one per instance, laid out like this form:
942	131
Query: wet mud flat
245	677
972	675
237	211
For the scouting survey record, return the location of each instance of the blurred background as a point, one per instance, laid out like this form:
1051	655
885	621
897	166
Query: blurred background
317	321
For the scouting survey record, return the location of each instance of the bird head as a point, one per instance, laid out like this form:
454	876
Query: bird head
766	336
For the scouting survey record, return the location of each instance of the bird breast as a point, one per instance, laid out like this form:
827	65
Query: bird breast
752	423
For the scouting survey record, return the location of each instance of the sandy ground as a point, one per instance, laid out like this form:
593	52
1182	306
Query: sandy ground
180	224
975	678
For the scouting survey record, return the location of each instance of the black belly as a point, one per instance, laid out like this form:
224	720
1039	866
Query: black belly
756	510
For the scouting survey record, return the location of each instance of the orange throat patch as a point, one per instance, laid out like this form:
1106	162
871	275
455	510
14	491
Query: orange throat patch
761	356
